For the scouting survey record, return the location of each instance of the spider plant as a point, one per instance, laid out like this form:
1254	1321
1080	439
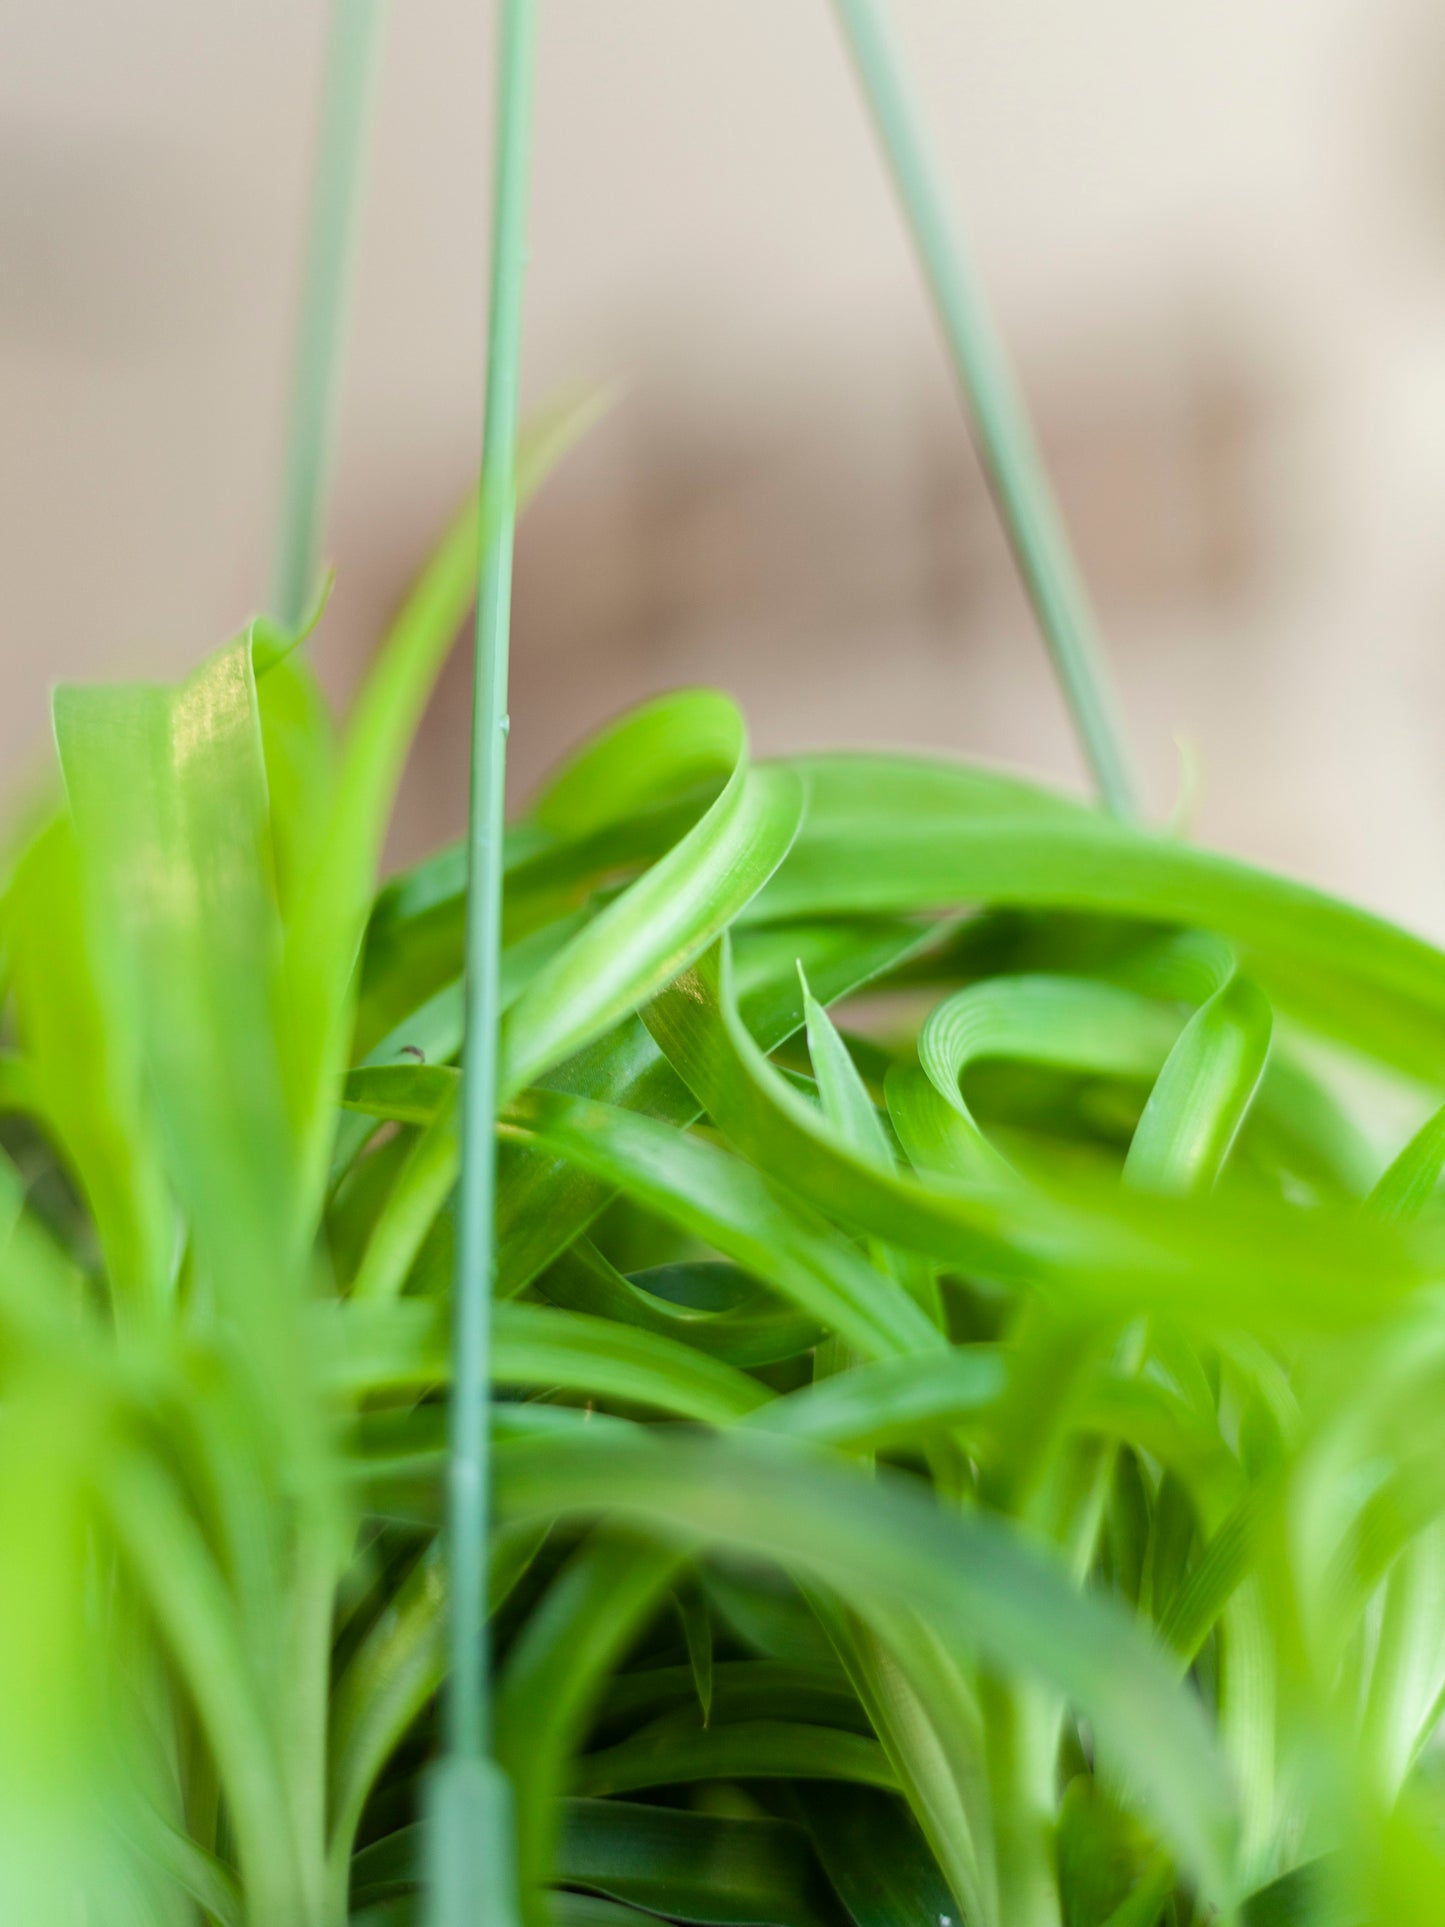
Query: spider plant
965	1374
974	1453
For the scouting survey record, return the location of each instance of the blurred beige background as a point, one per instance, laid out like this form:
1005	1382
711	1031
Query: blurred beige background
1214	235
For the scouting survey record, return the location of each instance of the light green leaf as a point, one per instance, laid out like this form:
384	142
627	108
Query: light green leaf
1200	1098
654	930
377	1347
753	1326
333	894
886	833
1405	1188
734	1208
891	1401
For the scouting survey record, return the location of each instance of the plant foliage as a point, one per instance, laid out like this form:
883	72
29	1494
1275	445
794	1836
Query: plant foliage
967	1405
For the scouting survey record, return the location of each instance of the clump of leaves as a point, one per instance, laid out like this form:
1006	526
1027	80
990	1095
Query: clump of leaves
968	1453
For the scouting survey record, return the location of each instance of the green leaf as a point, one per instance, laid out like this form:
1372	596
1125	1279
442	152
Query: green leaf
186	1592
333	900
767	1613
850	1111
1200	1098
1105	1856
846	1103
1140	1907
651	754
743	1689
553	1679
82	1068
543	1201
591	1910
876	1858
754	1328
167	791
388	1681
923	1706
298	747
1405	1187
168	796
698	1025
390	1347
696	1622
693	1867
1067	1023
1217	1576
1080	1240
876	1541
654	929
417	1194
1303	1897
734	1208
885	833
755	1749
891	1401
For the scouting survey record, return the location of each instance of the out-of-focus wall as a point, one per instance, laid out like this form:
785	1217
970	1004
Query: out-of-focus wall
1215	237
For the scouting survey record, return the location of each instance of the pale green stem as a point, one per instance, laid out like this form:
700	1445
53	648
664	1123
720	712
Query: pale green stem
352	66
470	1843
997	413
467	1701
